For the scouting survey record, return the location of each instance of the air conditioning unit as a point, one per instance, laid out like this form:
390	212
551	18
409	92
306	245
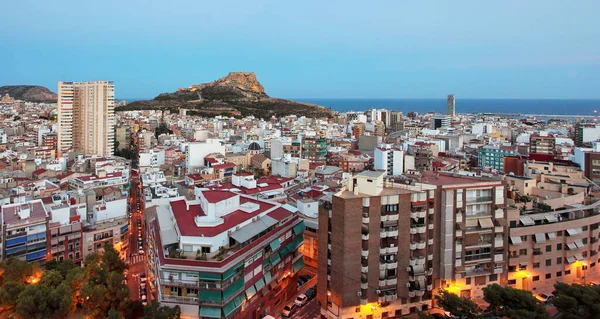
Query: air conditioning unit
359	294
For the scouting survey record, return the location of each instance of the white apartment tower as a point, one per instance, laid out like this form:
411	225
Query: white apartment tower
86	117
451	105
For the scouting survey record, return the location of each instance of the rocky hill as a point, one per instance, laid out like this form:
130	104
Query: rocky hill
32	93
238	93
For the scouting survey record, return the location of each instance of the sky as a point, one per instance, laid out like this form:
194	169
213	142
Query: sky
310	49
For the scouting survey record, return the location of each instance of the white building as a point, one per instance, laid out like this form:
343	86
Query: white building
196	152
390	160
151	159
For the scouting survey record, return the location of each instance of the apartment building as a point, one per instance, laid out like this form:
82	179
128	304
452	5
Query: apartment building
490	156
24	231
389	159
542	143
471	240
376	249
547	247
314	149
224	255
65	228
86	117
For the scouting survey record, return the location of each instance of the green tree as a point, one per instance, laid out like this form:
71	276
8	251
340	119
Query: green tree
41	301
154	311
577	301
457	306
16	270
9	293
133	309
513	303
113	314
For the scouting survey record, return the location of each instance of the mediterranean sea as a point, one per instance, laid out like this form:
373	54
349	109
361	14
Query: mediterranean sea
513	106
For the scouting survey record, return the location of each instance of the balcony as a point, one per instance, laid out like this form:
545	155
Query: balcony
381	282
421	245
498	242
420	230
329	262
392	217
365	220
478	257
430	211
364	253
383	218
478	199
499	213
430	226
180	299
364	285
420	293
411	293
458	248
430	241
391	265
498	257
413	246
392	250
459	217
364	269
413	231
364	237
429	287
391	281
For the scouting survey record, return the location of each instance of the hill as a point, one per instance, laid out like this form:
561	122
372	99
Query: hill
238	93
32	93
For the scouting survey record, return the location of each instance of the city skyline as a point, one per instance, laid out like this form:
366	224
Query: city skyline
538	49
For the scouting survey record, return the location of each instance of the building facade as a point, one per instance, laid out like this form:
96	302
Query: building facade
493	156
86	117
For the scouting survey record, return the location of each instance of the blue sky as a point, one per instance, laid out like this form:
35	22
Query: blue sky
337	49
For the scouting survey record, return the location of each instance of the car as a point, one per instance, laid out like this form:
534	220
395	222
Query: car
311	293
301	281
301	300
544	298
288	310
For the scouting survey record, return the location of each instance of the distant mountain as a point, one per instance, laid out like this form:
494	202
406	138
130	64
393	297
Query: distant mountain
32	93
238	93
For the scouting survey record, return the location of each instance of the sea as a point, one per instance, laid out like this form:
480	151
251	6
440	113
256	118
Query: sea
565	108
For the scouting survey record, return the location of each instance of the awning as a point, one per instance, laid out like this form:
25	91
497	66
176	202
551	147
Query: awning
418	270
275	244
299	228
209	312
527	221
579	243
231	271
570	259
501	221
551	218
540	238
168	237
209	295
579	257
516	240
268	278
260	284
239	300
486	223
574	231
471	222
256	227
523	264
572	246
421	282
551	235
275	259
250	292
210	276
233	288
229	308
298	265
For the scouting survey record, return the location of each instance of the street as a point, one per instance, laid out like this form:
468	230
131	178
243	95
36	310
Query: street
135	260
311	309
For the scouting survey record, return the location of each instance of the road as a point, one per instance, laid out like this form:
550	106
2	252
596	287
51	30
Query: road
311	309
135	260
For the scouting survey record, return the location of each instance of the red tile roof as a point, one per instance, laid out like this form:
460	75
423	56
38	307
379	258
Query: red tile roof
187	225
223	166
39	171
95	178
215	196
280	213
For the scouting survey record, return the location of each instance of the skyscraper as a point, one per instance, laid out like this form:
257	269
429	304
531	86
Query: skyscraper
86	117
451	105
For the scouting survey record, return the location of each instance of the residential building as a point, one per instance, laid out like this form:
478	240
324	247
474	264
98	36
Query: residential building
241	255
24	231
376	249
86	117
586	132
542	143
389	159
490	156
314	149
440	121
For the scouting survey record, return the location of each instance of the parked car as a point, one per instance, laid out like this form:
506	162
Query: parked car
301	281
541	297
301	300
288	310
310	293
143	277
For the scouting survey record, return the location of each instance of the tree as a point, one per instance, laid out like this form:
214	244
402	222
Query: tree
133	309
513	303
113	314
154	311
41	301
457	306
16	270
577	301
9	293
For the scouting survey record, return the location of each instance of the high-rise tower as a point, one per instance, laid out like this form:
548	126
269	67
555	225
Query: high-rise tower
86	117
451	105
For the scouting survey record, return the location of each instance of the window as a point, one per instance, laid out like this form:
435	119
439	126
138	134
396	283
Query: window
567	272
468	281
493	277
536	265
512	282
548	248
584	241
536	278
512	268
592	265
585	228
513	223
559	233
558	246
548	276
522	252
548	262
559	260
559	274
523	238
206	250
